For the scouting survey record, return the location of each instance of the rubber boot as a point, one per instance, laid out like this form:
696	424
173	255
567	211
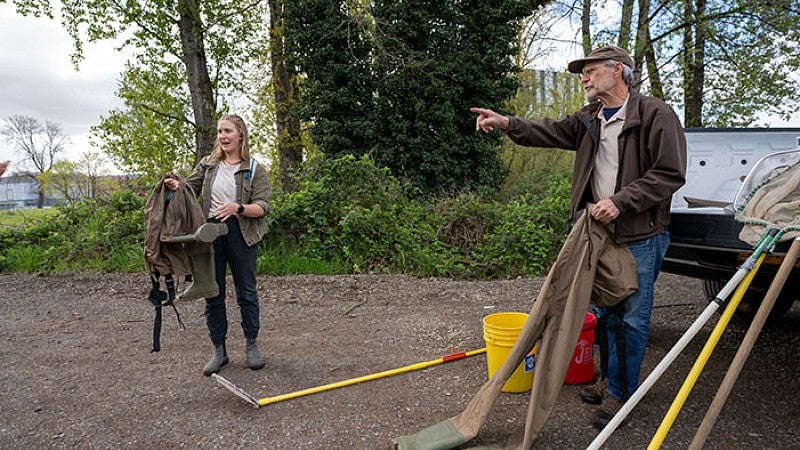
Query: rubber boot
204	280
219	359
254	358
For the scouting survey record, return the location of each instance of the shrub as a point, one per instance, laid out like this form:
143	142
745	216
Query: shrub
98	234
344	210
356	215
348	216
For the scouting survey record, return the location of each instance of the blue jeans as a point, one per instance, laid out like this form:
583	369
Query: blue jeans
634	313
232	250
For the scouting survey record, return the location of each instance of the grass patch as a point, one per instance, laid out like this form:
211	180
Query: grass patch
279	260
16	218
31	259
121	259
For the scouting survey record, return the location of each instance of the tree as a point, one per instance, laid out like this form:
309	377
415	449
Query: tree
288	137
211	41
40	143
151	135
725	62
328	47
79	180
435	61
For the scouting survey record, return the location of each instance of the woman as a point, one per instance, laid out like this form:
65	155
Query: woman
234	189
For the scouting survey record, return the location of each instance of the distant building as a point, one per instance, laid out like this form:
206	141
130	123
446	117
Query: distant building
21	191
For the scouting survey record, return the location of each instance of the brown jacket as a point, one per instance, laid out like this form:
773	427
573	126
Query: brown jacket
652	166
168	214
250	188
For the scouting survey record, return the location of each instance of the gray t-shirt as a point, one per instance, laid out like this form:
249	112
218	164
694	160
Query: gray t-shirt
224	188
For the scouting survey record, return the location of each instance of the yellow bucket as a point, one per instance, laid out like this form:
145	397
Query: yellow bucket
500	331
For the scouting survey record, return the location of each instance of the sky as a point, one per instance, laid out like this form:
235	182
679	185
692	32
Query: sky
37	79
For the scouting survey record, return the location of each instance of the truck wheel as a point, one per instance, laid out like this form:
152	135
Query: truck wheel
748	306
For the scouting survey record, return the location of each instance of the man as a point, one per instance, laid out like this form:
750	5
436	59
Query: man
630	157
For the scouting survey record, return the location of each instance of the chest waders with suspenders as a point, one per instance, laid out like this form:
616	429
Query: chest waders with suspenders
159	299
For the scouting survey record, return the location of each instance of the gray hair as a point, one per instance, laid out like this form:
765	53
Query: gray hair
627	71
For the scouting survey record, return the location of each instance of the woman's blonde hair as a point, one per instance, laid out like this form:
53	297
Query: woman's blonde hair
244	149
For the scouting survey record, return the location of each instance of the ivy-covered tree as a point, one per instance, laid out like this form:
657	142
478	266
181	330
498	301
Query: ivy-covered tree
435	60
396	79
327	45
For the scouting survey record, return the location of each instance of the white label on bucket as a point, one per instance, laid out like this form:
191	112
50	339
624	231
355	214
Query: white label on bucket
529	363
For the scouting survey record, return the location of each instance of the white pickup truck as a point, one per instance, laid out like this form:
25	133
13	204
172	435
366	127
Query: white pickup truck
704	234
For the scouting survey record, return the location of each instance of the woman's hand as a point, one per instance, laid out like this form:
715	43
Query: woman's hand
171	183
226	210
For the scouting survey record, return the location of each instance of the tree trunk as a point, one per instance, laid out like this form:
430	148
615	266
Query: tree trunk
201	90
586	32
626	20
653	73
694	57
645	53
290	150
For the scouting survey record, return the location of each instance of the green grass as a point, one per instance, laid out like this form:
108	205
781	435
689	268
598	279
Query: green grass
281	259
29	259
23	217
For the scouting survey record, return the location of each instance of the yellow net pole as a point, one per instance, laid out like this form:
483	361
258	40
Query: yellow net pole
387	373
703	358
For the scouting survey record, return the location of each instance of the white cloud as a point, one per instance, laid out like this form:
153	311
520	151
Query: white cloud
37	78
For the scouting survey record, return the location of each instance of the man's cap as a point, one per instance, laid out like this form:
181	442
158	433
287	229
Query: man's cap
601	54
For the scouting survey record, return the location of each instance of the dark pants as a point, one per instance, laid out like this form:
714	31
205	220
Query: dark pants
231	250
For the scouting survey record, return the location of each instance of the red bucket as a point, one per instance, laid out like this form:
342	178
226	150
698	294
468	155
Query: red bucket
581	367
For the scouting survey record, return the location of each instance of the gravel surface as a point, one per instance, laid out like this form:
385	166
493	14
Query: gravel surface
77	371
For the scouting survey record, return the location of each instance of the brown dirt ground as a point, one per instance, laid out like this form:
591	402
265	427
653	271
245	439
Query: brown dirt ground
77	371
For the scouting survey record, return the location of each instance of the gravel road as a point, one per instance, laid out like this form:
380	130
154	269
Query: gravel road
77	371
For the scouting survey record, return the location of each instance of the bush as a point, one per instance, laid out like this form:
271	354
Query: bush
528	233
99	234
344	210
352	213
348	216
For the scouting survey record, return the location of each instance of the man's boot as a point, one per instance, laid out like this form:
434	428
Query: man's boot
595	393
204	280
254	358
219	359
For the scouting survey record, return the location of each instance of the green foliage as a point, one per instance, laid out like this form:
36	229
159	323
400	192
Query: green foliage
327	212
140	139
432	68
105	234
347	210
349	216
188	58
396	81
328	45
528	233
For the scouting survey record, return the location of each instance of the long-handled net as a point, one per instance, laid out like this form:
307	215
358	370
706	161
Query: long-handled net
767	199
